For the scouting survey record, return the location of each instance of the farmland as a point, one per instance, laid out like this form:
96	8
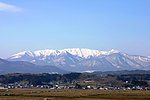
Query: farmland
76	94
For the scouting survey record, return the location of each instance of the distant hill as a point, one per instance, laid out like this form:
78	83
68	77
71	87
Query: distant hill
26	67
122	72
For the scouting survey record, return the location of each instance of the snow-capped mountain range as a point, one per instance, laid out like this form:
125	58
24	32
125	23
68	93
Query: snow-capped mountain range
76	59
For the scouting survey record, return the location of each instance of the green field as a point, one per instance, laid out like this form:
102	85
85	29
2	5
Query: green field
41	94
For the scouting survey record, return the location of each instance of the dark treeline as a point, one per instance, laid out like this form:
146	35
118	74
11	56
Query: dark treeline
45	78
135	79
38	79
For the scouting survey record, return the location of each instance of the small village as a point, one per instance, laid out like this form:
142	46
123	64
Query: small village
69	86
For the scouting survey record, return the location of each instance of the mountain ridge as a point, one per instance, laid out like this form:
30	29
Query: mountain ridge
83	52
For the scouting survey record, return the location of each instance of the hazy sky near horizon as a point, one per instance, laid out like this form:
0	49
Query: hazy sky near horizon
57	24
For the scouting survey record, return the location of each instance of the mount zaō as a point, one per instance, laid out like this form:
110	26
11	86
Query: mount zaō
76	59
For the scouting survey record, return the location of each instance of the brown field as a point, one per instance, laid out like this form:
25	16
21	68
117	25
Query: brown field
41	94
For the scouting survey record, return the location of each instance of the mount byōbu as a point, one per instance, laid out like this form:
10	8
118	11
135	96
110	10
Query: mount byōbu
26	67
76	59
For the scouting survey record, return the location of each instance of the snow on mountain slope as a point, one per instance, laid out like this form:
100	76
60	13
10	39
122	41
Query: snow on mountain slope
84	53
76	59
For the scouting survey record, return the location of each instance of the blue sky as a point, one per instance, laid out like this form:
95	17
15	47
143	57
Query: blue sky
57	24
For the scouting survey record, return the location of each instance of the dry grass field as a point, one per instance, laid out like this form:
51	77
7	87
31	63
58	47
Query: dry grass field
41	94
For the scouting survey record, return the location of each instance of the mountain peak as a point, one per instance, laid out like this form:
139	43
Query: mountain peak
114	51
23	53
